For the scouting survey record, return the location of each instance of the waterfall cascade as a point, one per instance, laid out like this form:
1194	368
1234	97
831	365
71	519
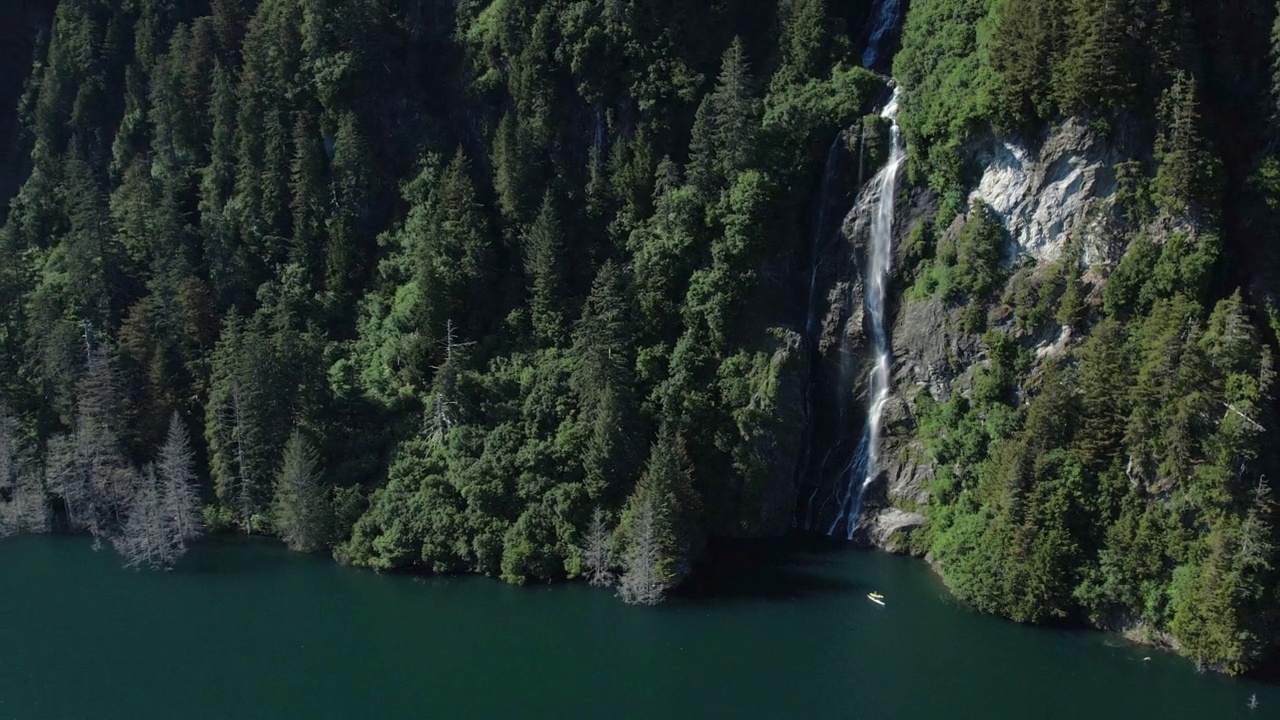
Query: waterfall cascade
835	469
862	468
824	230
821	224
886	23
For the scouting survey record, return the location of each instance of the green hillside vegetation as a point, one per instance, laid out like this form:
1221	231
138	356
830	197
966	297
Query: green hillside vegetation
429	286
1126	483
516	288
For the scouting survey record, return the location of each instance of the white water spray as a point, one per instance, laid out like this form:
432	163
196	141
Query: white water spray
865	463
886	21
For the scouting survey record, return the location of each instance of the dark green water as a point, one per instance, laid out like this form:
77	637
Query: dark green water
246	630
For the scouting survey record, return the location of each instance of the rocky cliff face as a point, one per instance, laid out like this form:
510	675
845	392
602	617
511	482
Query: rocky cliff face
1045	196
836	329
1051	196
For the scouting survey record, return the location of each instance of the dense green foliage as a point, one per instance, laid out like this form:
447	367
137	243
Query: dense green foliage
500	263
1011	65
1126	480
512	287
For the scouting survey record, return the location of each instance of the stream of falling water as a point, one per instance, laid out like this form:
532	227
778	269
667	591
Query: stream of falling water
862	469
820	226
886	21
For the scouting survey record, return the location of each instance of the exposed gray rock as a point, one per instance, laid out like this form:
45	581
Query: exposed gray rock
925	349
838	346
1045	196
929	357
885	529
1056	345
906	468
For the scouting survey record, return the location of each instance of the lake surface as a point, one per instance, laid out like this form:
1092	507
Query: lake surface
245	629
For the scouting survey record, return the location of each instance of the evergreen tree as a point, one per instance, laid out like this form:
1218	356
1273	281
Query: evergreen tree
724	131
91	255
545	265
602	346
229	19
532	83
1275	65
134	214
1095	75
350	190
804	42
176	140
301	510
272	57
221	250
131	138
514	170
1025	50
657	527
155	18
271	224
645	581
455	261
666	251
245	420
308	193
598	557
1186	177
1103	362
1207	614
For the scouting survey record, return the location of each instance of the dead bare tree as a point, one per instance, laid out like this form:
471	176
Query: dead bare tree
23	507
442	416
177	470
641	583
87	467
441	420
149	536
28	511
102	472
598	558
136	541
164	513
246	486
12	453
64	478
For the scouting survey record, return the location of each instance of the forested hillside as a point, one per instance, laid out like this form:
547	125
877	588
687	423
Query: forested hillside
1111	454
526	288
428	285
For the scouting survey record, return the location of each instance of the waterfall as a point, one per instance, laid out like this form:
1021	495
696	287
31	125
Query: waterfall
862	469
886	22
820	230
